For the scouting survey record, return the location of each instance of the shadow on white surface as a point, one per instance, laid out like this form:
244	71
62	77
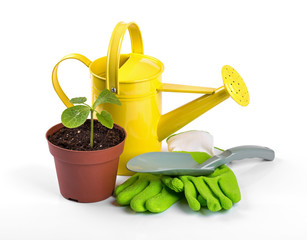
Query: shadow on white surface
36	180
250	171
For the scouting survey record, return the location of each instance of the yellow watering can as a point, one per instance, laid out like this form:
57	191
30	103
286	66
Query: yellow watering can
136	80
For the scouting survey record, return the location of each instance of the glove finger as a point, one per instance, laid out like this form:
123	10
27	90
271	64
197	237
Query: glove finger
202	201
126	184
211	201
138	202
190	193
173	183
126	195
230	187
162	201
215	188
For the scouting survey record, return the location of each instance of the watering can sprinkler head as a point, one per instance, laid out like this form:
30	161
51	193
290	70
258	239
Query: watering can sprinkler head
235	85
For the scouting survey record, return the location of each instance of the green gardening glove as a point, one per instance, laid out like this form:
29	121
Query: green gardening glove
146	192
217	191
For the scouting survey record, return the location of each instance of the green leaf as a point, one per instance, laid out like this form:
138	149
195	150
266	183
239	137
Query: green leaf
105	119
106	97
78	100
75	116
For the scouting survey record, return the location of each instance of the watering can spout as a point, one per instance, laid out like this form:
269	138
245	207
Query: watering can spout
178	118
234	86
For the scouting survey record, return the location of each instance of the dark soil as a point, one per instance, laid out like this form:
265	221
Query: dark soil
79	138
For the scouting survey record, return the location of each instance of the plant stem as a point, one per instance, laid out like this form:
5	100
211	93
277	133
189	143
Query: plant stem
92	128
86	105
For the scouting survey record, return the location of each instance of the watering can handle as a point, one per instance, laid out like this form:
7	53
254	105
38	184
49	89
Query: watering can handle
115	44
55	80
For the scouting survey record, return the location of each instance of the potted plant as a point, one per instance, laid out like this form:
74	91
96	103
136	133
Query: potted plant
86	151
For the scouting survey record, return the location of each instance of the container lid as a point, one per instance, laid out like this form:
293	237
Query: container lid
139	67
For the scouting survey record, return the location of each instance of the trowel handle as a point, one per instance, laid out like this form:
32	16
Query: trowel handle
239	153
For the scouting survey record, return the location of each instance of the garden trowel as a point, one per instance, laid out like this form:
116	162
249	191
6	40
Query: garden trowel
178	163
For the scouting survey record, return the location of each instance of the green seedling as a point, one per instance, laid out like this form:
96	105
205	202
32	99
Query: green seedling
75	116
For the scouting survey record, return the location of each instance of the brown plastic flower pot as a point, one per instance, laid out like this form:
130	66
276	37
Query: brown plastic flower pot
86	176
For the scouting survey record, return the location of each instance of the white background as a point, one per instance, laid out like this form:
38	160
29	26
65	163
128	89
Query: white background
265	41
